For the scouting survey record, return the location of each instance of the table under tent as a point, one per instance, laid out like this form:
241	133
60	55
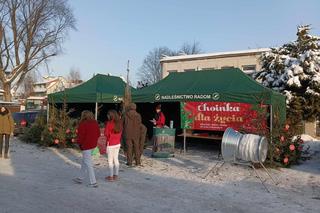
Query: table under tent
204	96
100	89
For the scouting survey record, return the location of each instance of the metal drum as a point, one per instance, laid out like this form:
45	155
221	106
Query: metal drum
230	143
247	147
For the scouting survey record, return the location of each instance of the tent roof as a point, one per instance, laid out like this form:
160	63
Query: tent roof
210	85
225	85
101	88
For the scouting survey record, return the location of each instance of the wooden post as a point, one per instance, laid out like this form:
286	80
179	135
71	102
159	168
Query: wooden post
127	99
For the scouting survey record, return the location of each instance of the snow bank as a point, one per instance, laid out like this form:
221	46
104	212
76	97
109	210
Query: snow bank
308	138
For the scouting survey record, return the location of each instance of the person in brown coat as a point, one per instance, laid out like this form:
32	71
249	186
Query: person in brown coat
6	129
143	134
131	131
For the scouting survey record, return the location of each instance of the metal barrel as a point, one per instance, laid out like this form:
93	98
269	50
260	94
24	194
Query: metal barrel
247	147
230	143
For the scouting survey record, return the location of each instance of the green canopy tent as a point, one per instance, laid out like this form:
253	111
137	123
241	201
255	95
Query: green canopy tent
230	85
99	89
223	85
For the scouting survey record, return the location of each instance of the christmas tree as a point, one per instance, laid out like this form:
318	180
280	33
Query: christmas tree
294	70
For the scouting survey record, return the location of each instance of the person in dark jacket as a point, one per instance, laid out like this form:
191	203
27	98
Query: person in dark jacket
132	123
88	134
6	129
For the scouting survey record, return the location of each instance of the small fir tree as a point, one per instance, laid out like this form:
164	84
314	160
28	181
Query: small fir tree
61	131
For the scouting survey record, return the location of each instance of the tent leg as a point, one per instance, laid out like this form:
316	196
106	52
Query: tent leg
266	170
271	122
184	140
96	111
260	178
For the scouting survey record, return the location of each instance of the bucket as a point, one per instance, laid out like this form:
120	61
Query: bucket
247	147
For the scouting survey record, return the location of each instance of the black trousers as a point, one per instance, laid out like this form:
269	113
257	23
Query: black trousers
6	146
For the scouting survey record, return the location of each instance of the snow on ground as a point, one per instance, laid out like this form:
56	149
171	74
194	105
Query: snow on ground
39	180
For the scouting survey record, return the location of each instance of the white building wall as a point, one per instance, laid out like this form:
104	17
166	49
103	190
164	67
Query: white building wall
239	59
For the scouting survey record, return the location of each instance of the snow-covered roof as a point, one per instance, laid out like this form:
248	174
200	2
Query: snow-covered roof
123	78
119	76
7	102
39	83
36	98
213	55
45	81
49	79
39	89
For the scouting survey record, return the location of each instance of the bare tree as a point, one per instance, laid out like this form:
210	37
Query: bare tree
27	85
190	49
74	76
31	31
150	71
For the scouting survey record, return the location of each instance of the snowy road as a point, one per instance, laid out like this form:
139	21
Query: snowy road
39	180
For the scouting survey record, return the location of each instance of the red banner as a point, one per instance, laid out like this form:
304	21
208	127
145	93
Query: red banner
218	116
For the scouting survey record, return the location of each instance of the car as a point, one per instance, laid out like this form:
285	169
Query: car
25	119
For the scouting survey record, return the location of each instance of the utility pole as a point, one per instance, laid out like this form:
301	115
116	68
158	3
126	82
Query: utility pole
128	70
127	92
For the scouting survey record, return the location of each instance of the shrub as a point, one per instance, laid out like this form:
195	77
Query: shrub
32	134
286	147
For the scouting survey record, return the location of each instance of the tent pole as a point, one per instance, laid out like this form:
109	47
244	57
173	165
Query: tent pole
184	141
271	122
96	111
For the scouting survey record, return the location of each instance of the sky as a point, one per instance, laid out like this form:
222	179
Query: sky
111	32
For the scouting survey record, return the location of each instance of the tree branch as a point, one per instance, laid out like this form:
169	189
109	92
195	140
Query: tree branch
31	31
13	16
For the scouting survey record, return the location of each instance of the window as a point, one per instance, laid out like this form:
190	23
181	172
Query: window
249	67
209	68
227	67
189	70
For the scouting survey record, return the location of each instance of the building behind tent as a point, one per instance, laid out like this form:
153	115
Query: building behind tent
246	60
47	85
1	94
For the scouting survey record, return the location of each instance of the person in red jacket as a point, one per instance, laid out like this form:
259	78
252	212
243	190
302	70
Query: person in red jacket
113	132
88	134
159	120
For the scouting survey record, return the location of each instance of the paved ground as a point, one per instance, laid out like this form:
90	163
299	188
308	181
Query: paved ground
39	180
